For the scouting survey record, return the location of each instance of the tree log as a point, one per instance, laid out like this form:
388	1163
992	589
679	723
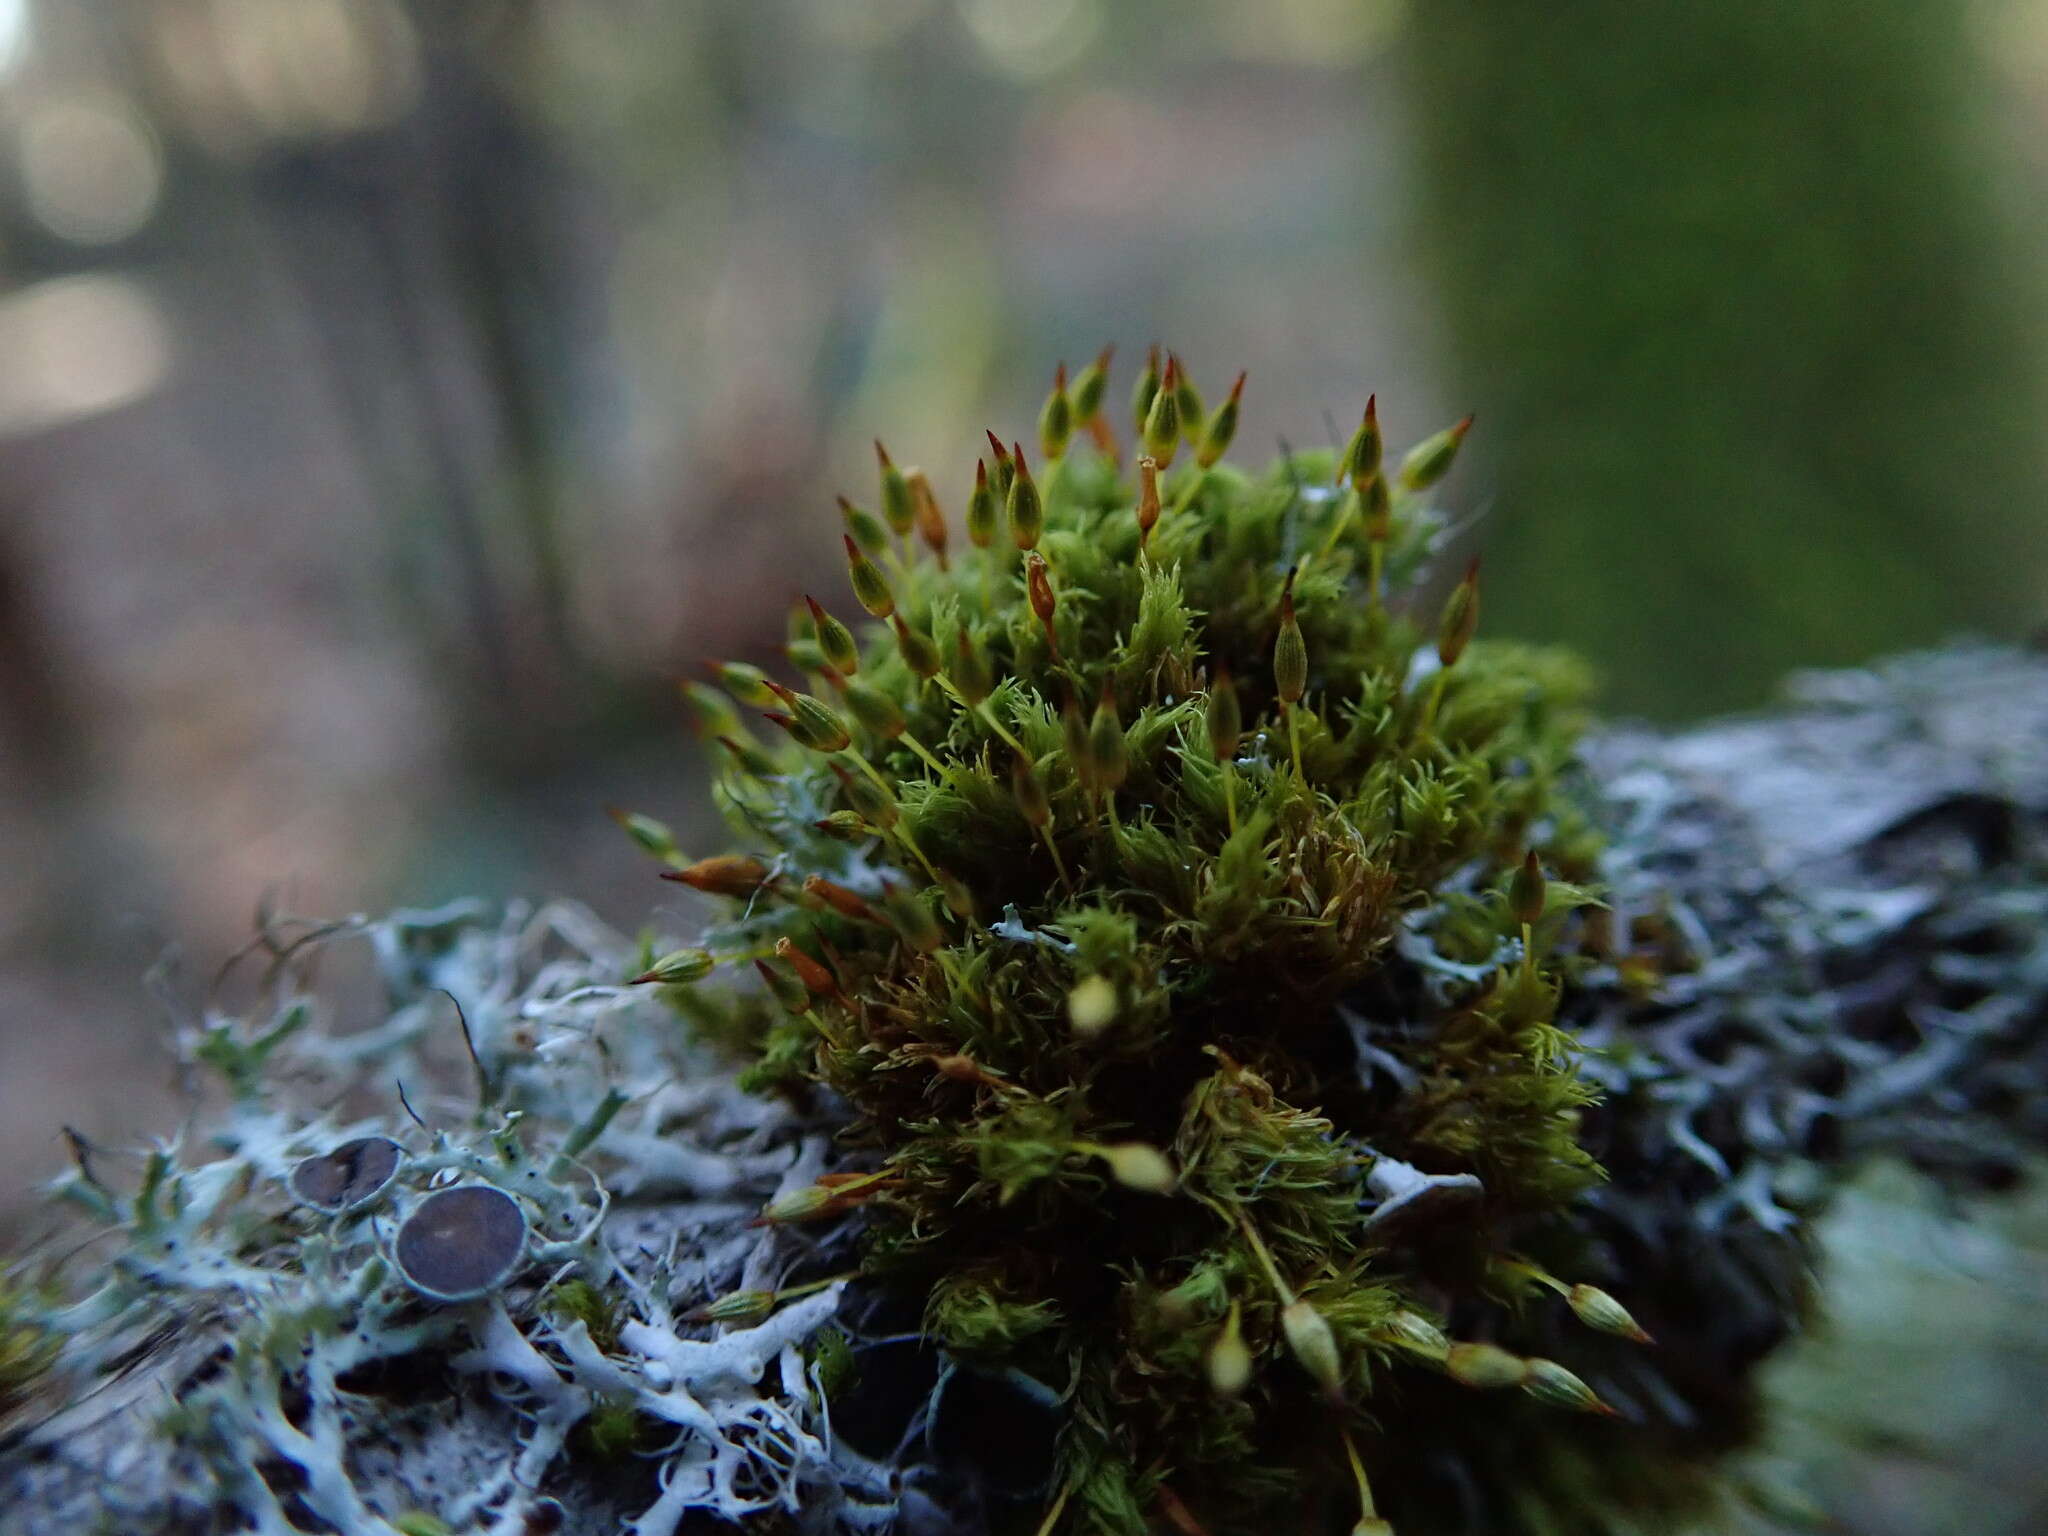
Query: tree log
1826	940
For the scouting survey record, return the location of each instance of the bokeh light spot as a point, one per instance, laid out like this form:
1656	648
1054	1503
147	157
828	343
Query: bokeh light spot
90	167
77	346
1029	38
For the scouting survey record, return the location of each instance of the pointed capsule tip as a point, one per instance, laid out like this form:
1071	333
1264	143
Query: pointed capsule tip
1372	407
1237	389
1102	358
1464	425
881	453
1472	572
1059	376
981	474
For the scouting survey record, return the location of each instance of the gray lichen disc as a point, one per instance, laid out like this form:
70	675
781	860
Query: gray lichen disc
347	1178
461	1243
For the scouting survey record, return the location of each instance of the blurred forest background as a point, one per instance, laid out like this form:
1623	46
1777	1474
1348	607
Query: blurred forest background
396	395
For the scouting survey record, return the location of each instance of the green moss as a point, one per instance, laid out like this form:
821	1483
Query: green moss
831	1354
616	1429
581	1302
27	1348
1086	925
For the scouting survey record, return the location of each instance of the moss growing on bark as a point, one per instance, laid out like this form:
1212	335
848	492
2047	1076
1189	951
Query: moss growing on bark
1169	1098
1176	909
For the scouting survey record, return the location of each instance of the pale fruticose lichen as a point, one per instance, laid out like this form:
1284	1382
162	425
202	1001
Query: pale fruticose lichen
244	1361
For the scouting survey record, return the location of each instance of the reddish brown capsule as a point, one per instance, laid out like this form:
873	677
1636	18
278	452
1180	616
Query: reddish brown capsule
813	975
838	898
723	874
931	522
1039	583
1148	497
961	1069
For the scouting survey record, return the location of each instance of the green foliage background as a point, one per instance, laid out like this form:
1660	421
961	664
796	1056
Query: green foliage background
1755	361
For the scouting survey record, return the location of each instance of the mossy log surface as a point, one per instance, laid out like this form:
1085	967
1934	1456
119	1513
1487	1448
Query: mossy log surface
1826	940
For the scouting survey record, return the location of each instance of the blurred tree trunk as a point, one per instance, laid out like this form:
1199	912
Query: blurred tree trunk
1754	363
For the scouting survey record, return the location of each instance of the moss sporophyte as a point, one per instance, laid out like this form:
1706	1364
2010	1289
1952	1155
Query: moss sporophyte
1179	907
